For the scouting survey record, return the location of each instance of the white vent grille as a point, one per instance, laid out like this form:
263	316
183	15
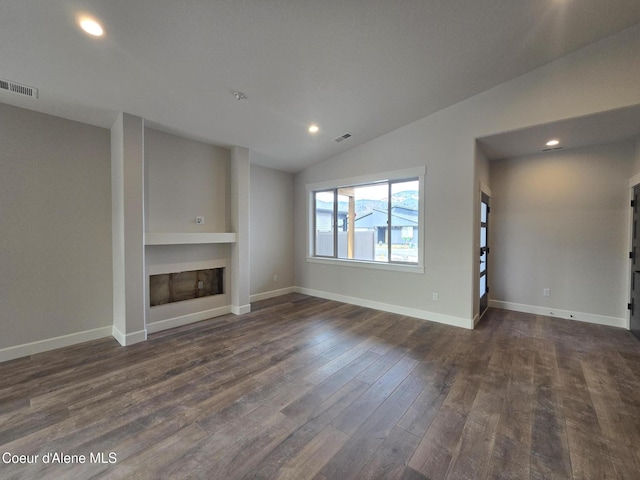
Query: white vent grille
18	88
342	137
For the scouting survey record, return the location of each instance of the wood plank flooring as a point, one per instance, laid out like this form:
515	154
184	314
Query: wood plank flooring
305	388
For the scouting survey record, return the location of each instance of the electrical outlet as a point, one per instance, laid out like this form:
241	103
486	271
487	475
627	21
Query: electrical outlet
435	297
199	220
275	278
546	292
200	284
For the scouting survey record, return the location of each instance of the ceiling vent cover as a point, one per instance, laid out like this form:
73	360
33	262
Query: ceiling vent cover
342	137
18	88
551	149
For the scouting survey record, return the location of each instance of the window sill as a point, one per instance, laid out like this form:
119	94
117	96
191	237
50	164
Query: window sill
394	267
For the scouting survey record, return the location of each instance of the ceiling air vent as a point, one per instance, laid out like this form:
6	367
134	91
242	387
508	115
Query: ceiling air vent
18	88
342	137
551	149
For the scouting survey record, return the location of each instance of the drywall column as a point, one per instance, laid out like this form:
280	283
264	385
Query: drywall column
127	202
240	280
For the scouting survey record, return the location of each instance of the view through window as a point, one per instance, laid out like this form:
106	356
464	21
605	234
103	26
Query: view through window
376	222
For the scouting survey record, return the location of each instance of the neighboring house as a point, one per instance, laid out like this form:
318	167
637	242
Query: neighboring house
404	225
324	218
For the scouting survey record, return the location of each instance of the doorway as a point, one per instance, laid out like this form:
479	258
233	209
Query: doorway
485	209
634	306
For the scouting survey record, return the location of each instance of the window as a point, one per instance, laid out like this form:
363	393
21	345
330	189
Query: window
375	222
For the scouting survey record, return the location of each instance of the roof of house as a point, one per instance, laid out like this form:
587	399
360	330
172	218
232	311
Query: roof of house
400	217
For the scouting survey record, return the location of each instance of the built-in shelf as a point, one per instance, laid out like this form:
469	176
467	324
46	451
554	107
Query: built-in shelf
155	238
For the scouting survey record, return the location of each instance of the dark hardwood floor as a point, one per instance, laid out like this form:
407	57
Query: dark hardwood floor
305	388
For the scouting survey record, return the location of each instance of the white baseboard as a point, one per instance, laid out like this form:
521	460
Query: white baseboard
40	346
186	319
240	309
555	312
271	294
129	338
387	307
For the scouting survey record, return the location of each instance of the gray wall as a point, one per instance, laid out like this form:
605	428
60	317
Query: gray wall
55	221
560	221
185	178
271	216
600	77
55	201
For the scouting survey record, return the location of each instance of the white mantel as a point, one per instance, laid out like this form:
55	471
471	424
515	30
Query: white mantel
185	238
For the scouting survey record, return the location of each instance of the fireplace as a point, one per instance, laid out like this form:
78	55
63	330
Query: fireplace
180	286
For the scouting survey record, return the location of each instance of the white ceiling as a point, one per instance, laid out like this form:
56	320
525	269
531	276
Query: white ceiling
359	66
602	128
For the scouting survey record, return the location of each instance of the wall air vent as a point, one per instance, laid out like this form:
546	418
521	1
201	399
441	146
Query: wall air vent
18	88
342	137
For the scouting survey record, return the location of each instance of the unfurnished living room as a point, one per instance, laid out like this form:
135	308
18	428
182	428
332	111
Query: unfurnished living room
329	240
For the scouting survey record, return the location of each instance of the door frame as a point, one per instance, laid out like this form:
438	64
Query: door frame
485	198
633	181
481	189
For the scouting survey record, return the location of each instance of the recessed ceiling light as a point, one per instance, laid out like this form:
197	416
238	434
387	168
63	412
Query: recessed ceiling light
91	26
313	129
553	143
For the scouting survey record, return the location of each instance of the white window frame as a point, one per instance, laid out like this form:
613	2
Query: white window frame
392	176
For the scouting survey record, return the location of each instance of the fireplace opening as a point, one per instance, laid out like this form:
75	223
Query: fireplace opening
177	287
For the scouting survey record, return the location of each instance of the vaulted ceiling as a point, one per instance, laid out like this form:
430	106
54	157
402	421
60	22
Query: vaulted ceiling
360	66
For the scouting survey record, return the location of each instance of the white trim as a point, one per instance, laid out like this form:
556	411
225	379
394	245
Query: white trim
566	314
370	178
186	238
387	307
480	315
271	294
32	348
343	262
168	323
389	176
240	309
129	338
485	189
630	244
476	265
635	180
